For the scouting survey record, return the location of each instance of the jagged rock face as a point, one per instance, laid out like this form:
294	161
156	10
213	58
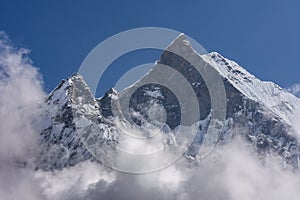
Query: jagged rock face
105	103
259	111
63	146
193	77
262	116
269	133
71	112
149	95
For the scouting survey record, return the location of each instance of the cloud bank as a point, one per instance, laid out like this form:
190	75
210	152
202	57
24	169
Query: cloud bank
232	172
21	90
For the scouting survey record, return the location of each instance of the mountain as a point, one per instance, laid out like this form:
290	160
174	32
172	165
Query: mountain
79	126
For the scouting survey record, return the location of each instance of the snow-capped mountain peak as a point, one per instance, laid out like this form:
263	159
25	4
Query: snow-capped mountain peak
266	113
282	103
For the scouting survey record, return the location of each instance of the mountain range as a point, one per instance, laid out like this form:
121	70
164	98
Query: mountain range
79	127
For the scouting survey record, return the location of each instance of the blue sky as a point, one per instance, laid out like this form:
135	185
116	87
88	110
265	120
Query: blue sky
262	36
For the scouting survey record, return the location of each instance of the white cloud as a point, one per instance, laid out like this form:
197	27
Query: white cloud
234	172
73	182
294	89
21	90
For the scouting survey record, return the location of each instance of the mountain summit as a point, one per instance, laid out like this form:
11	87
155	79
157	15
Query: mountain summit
258	111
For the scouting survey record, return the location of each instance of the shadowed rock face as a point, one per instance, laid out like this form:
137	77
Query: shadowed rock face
193	77
248	118
252	119
62	146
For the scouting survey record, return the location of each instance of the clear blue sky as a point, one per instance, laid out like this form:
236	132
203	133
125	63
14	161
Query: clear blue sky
261	35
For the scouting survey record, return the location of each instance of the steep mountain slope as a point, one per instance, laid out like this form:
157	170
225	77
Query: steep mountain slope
282	103
259	111
71	111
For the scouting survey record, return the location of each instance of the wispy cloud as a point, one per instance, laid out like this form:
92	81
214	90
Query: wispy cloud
294	89
21	90
233	172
